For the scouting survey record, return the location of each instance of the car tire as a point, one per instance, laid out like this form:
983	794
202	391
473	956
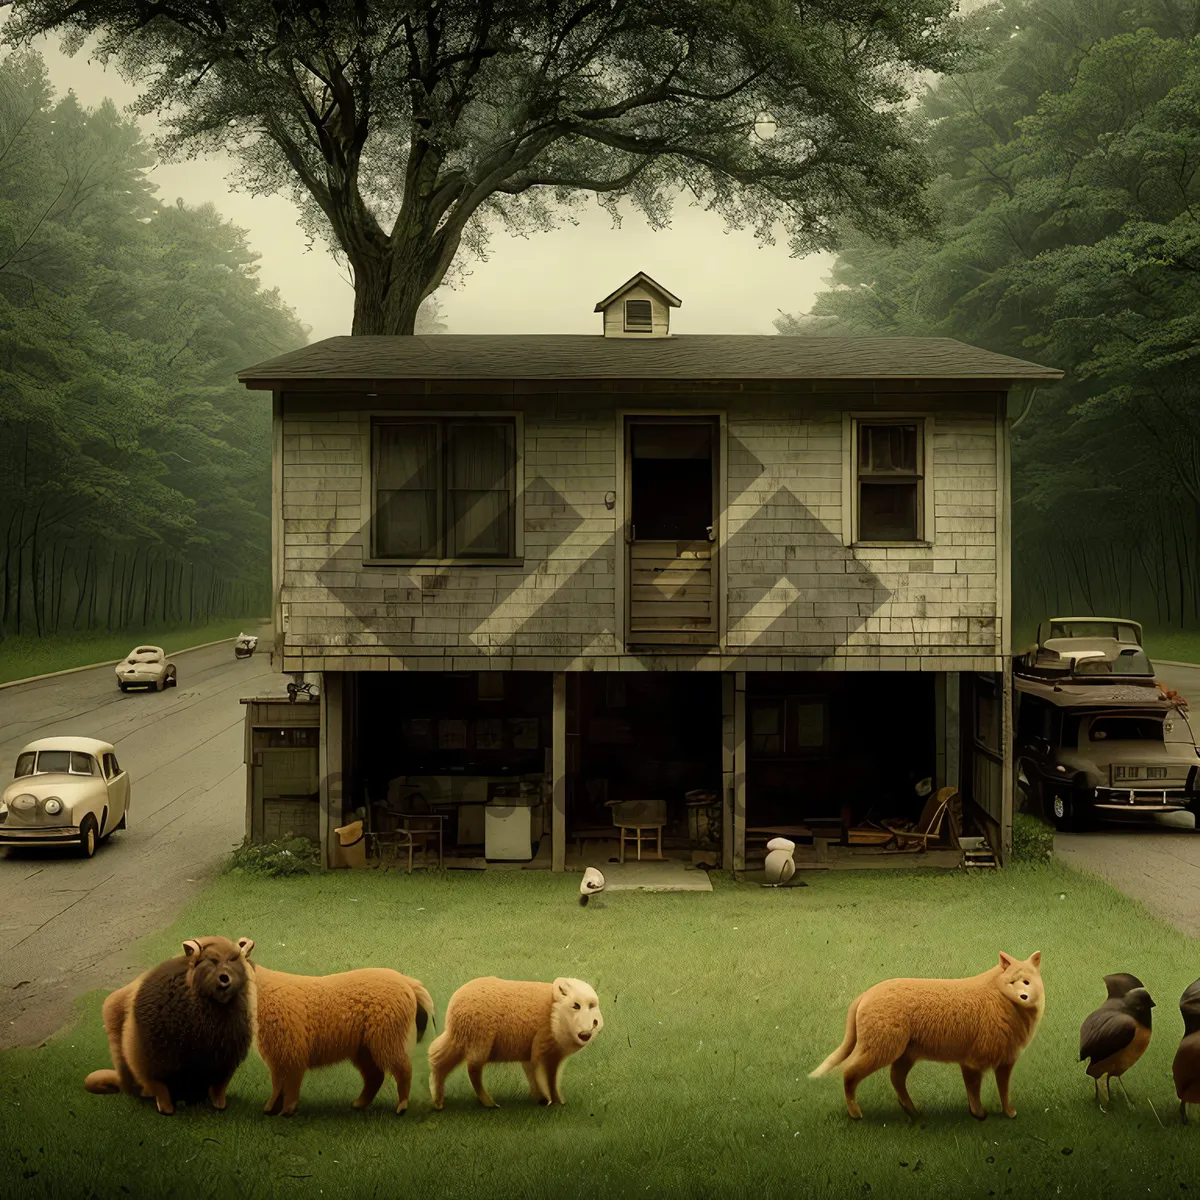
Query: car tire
122	687
172	680
1063	810
88	836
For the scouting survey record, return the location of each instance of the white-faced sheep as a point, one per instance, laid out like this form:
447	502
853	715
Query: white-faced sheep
181	1029
368	1017
538	1025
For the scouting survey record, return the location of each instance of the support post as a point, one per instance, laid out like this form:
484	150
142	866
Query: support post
1007	764
558	826
739	773
953	723
727	769
330	762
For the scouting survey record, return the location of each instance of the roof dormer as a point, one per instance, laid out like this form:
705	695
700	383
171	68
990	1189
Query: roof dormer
638	308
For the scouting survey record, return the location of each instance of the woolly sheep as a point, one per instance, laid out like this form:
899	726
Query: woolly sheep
366	1016
502	1020
180	1030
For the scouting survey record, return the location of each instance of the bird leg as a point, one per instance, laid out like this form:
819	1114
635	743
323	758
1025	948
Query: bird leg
1124	1092
1183	1111
1096	1081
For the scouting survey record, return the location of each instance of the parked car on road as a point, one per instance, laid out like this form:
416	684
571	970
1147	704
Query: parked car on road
146	667
65	790
1097	736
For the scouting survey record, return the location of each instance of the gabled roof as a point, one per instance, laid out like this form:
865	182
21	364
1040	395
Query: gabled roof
642	278
370	358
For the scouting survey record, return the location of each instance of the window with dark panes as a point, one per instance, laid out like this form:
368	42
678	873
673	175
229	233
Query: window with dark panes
890	479
444	488
639	317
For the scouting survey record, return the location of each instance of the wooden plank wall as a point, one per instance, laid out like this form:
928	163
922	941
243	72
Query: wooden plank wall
798	597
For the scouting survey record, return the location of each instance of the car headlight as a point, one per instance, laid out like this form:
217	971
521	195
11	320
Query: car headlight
24	802
52	806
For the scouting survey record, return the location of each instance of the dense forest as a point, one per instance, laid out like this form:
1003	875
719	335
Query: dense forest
134	470
1068	232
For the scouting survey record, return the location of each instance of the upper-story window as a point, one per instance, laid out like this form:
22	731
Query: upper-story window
444	488
890	481
639	316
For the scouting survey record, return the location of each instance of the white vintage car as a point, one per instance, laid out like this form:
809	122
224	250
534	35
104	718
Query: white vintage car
65	791
147	667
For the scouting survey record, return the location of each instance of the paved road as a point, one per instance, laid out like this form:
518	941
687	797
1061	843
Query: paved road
1158	864
66	923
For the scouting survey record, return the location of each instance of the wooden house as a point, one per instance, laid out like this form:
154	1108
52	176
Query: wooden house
636	565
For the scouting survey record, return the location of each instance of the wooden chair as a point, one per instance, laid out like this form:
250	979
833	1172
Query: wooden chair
915	839
635	817
397	830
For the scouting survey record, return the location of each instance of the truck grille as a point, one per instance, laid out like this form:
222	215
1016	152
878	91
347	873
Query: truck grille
1129	773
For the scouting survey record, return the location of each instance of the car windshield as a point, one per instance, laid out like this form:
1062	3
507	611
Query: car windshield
1126	729
1128	662
55	762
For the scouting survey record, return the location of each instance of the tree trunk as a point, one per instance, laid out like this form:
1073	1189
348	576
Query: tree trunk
388	290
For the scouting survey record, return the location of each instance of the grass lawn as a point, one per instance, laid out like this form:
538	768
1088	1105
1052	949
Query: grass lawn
1174	645
716	1007
23	657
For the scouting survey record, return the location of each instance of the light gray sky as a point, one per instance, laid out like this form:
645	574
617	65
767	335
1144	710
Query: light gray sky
547	283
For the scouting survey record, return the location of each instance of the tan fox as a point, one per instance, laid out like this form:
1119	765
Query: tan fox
982	1023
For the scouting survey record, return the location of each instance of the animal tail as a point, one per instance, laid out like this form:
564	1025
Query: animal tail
425	1012
843	1052
103	1083
583	899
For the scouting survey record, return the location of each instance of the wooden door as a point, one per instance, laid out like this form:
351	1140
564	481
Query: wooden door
671	501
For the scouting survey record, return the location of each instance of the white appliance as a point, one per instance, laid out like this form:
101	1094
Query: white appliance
508	829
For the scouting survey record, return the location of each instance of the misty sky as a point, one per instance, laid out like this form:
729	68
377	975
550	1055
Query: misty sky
547	283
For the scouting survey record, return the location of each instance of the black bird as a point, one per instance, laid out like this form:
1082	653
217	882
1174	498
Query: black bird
1116	1035
1186	1067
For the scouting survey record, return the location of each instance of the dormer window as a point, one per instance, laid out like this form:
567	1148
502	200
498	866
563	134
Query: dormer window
639	316
638	308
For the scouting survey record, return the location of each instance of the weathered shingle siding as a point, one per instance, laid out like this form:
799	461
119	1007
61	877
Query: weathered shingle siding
797	596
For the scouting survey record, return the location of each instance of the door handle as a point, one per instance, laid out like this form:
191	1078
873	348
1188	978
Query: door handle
630	531
712	533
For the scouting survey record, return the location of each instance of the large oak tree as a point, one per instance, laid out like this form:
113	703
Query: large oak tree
407	128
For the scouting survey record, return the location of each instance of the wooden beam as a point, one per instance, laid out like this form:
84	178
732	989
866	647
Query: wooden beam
727	769
1008	769
953	723
739	772
330	759
558	828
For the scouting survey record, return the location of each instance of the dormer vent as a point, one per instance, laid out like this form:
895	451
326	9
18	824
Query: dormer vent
638	316
638	308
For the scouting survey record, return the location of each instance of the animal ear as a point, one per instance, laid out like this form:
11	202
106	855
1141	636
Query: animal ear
1006	960
191	947
245	945
560	986
1035	959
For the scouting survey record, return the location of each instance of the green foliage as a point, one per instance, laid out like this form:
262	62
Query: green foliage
134	470
1033	839
407	131
288	856
1068	233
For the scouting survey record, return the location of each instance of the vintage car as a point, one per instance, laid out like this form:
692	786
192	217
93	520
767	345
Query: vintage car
146	667
1097	737
65	791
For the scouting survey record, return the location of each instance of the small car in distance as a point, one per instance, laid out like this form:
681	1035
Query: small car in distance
146	667
65	791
